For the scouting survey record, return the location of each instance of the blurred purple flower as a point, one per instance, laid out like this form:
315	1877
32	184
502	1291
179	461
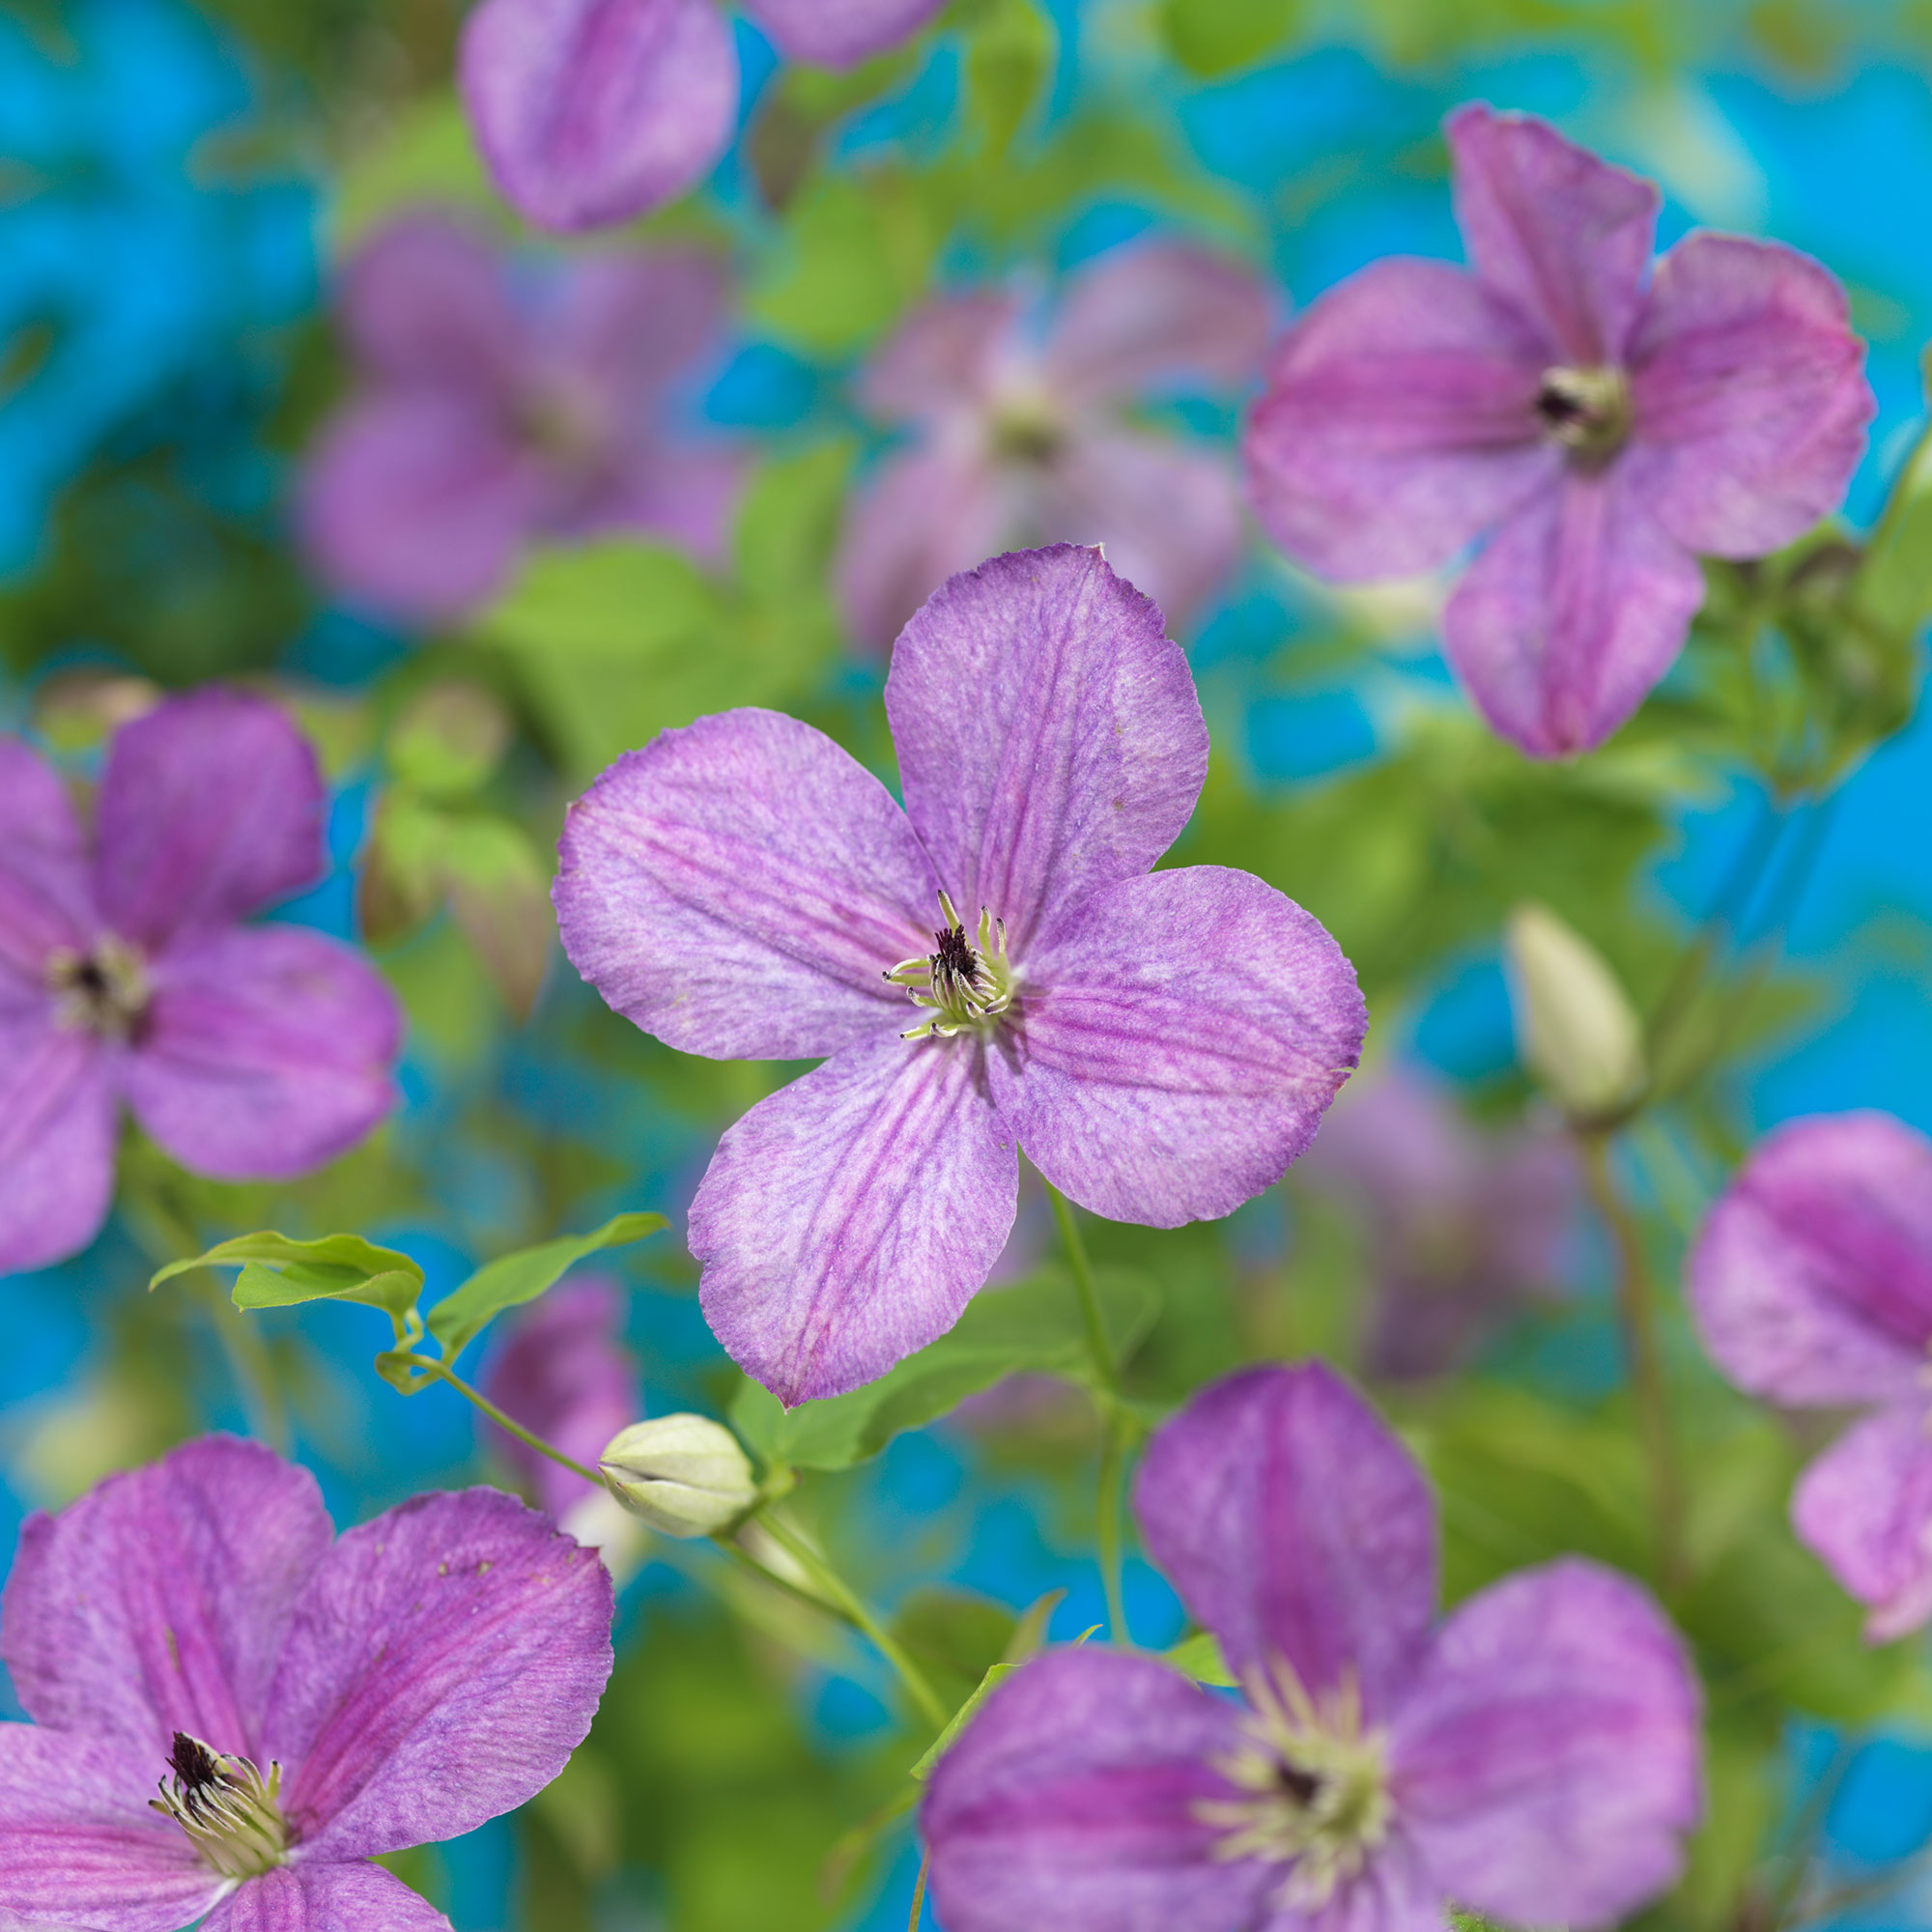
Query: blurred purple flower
1463	1226
504	402
1019	435
1534	1758
591	111
249	1053
319	1700
1160	1045
1603	431
1811	1284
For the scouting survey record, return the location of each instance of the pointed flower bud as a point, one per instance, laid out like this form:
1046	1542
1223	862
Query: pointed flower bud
1576	1028
684	1474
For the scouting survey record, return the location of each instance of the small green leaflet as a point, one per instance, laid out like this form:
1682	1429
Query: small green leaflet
277	1272
1028	1640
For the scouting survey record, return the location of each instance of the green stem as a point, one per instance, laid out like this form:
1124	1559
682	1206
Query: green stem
1110	1498
919	1893
504	1422
1098	1345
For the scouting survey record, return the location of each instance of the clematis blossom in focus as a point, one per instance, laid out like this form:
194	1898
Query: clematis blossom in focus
504	401
1811	1284
247	1052
1533	1758
301	1702
1599	425
591	111
1018	434
1161	1045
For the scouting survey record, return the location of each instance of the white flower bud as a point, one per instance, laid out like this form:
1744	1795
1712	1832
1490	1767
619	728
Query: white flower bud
684	1474
1576	1028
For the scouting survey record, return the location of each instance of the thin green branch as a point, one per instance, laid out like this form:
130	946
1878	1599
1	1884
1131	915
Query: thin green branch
1098	1345
508	1423
1109	1500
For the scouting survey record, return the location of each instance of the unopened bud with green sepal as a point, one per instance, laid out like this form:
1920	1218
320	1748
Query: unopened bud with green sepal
685	1475
1576	1028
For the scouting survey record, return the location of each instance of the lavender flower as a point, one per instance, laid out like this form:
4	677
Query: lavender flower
1533	1758
300	1703
1161	1045
247	1052
1018	434
1604	431
505	401
591	111
1811	1284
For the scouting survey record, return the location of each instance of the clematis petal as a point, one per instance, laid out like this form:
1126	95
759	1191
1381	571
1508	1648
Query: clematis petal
57	1138
631	322
415	504
685	493
211	808
1297	1528
444	1661
356	1897
1560	235
943	358
424	300
1811	1279
1865	1507
1397	426
1578	607
45	901
850	1218
79	1845
157	1601
1395	1893
1546	1763
1049	738
591	111
840	33
268	1050
1750	394
1071	1800
1179	1035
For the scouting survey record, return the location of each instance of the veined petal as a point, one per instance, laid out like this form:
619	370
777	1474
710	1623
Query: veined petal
840	33
942	359
1394	1892
631	322
268	1050
1811	1280
685	493
57	1138
850	1218
1178	1038
1567	620
425	300
1865	1507
1049	738
1546	1763
591	111
157	1601
1562	236
44	900
210	806
1750	394
740	887
1297	1528
1398	424
444	1661
1071	1800
356	1897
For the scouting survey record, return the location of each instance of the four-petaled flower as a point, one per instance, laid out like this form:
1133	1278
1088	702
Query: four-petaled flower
1534	1758
506	400
1606	431
1811	1284
247	1052
1019	434
301	1703
1161	1044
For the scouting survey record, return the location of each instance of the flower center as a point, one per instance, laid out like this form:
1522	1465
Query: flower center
1316	1785
963	985
1027	429
102	991
226	1807
1585	410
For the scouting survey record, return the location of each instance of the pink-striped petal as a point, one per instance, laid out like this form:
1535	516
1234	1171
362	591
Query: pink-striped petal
1865	1507
44	900
354	1898
58	1132
425	300
628	322
840	33
942	359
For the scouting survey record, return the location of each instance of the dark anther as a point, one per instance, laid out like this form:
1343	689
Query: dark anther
193	1763
1303	1786
90	979
954	959
1558	405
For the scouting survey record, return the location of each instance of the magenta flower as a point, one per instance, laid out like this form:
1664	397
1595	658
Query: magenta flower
505	401
1534	1757
1019	434
593	111
1811	1284
1162	1046
301	1703
1603	429
249	1053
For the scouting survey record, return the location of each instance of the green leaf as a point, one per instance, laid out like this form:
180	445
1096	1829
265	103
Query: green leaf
448	740
277	1272
498	887
460	1316
1036	1326
424	155
1200	1657
1214	37
1008	61
961	1718
788	520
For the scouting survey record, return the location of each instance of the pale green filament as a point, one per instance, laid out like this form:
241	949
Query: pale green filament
228	1810
964	986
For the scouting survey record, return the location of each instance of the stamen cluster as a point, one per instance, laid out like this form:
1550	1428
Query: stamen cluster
1588	411
965	986
104	991
227	1808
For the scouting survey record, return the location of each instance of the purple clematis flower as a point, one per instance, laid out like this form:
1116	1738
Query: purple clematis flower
249	1053
1019	434
1602	429
1811	1284
593	111
505	401
1161	1045
1534	1757
301	1703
